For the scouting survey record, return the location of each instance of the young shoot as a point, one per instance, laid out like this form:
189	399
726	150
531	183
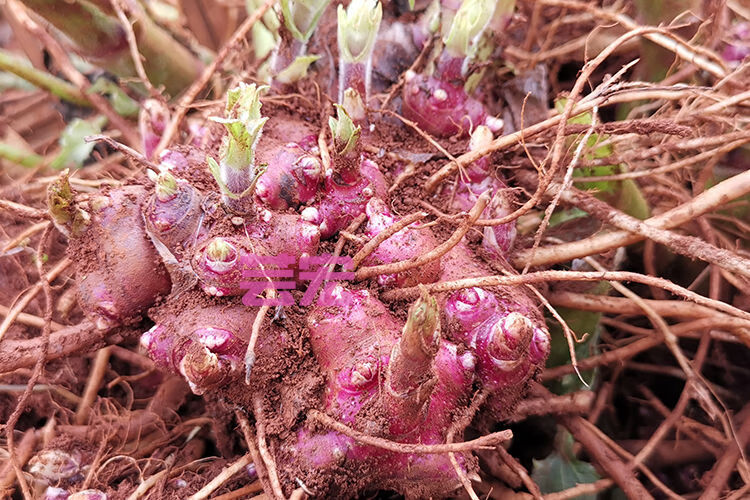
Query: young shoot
301	17
290	61
236	172
345	133
297	70
68	218
357	29
467	27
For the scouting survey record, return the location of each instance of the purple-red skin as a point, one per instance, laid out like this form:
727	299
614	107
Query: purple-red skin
371	171
341	204
292	178
498	239
737	49
223	278
404	245
116	291
470	316
345	199
506	357
352	343
270	234
455	115
434	473
175	221
218	333
176	162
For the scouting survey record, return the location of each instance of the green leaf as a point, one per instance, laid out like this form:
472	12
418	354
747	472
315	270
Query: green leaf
561	470
124	105
244	124
74	149
624	195
297	70
563	216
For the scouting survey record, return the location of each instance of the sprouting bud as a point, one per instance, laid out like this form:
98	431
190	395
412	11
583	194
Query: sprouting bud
52	466
467	27
202	368
361	376
302	16
220	256
166	186
422	330
358	26
410	371
297	70
68	218
510	337
480	138
345	133
60	199
236	172
354	106
244	125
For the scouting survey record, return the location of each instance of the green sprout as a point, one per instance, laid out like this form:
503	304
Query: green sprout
357	29
236	172
244	125
67	217
302	16
297	70
345	133
467	27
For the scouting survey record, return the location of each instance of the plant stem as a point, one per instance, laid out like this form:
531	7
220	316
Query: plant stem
20	156
42	79
101	38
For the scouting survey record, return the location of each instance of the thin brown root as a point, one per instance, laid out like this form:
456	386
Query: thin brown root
125	150
242	492
257	323
435	253
709	200
371	245
265	454
553	275
96	375
224	476
489	440
250	440
23	211
24	301
519	469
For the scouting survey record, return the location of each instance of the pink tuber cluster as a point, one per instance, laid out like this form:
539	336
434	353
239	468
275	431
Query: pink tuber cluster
179	250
